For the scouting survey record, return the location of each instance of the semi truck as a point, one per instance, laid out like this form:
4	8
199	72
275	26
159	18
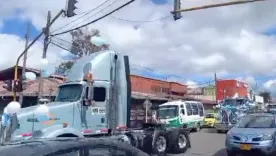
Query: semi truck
95	101
230	111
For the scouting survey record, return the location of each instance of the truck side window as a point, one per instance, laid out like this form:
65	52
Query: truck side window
99	94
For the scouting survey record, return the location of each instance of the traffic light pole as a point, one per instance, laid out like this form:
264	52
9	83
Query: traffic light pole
25	60
177	3
28	47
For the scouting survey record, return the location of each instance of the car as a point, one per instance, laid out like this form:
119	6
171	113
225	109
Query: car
70	147
209	120
254	133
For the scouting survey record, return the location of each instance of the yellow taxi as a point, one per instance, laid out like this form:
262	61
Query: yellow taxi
209	120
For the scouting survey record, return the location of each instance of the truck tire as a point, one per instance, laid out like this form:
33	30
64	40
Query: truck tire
198	128
182	143
160	143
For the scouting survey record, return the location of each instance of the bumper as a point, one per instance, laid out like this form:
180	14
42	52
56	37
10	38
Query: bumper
208	125
223	126
259	148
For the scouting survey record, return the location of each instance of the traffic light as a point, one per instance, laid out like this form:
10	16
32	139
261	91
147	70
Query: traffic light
71	7
18	87
8	85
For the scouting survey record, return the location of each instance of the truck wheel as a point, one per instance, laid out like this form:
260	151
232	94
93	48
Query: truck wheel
219	131
160	143
182	143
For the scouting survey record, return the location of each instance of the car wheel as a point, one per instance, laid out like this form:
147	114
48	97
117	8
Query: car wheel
219	131
160	143
231	153
182	142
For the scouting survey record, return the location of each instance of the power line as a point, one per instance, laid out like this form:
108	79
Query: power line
84	25
93	15
59	46
84	14
146	21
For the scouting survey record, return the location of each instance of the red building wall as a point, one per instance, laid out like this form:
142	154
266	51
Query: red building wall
151	86
228	88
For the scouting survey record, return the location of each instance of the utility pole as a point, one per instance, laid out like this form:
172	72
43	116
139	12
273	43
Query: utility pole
45	48
177	6
216	88
24	62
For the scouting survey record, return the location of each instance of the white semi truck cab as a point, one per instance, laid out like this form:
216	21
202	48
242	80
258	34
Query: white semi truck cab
94	101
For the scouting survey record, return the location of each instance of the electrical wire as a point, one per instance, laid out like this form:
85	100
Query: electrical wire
93	15
84	14
84	25
149	21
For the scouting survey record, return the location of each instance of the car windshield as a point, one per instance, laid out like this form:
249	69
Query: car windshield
233	102
259	121
165	112
69	93
271	107
210	116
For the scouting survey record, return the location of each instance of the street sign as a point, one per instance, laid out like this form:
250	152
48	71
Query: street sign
147	104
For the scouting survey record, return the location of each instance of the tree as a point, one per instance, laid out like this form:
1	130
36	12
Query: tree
64	67
81	46
266	95
81	42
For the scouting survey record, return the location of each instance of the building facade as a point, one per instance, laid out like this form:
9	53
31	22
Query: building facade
209	90
153	86
230	88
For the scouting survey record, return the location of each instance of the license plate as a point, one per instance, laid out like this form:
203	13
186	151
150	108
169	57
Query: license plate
246	147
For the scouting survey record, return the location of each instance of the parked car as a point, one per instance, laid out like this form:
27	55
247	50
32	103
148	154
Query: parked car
209	120
254	133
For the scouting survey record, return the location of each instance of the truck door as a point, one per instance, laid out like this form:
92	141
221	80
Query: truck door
98	107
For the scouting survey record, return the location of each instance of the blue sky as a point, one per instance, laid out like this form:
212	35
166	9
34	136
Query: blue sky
17	26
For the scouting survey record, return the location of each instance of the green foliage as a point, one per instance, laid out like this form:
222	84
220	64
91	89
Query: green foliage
81	42
81	46
266	95
64	67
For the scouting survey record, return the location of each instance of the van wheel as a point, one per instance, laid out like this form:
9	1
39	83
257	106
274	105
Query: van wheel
198	128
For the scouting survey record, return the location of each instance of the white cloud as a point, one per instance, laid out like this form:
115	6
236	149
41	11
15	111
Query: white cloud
191	84
224	40
12	46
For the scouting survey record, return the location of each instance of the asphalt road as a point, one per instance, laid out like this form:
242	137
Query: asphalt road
206	143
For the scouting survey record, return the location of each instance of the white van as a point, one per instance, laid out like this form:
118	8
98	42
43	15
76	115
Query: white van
180	113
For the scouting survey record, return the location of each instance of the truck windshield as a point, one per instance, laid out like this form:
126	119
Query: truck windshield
165	112
260	121
271	107
69	93
233	102
210	116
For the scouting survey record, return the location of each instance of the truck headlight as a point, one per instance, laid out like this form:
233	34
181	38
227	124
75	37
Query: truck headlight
267	137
